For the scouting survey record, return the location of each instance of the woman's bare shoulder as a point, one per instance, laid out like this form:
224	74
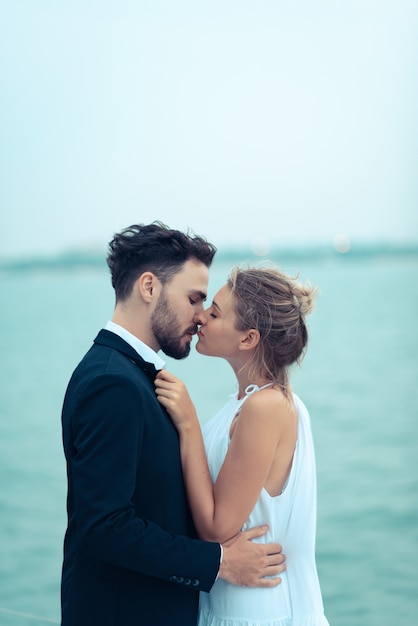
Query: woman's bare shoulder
268	404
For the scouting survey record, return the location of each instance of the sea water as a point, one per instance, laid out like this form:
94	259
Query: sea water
359	380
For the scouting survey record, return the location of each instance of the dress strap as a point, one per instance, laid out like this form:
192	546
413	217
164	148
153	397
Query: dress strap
253	388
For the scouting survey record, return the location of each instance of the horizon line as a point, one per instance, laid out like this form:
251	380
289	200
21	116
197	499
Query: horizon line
97	258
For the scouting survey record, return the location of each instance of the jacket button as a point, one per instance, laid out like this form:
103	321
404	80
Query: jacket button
195	582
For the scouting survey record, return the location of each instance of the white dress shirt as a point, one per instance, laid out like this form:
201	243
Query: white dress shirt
147	353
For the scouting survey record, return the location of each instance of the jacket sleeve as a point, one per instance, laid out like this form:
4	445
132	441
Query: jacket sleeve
106	429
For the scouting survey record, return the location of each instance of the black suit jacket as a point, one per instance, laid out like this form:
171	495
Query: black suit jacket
131	556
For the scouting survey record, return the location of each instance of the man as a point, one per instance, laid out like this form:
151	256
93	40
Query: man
131	555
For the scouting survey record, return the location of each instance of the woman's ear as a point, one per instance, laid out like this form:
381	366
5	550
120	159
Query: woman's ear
250	340
147	286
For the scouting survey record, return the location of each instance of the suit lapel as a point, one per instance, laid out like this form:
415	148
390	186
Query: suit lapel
111	340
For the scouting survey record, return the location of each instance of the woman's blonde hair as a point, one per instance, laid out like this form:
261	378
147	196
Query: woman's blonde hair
276	305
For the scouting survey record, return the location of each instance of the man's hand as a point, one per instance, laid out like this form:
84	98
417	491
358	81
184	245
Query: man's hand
246	563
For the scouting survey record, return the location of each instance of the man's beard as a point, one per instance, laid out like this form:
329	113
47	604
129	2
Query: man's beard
167	330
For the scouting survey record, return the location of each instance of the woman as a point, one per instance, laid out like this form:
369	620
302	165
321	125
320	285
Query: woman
256	464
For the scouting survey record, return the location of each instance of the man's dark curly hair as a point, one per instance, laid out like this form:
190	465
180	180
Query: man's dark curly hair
155	248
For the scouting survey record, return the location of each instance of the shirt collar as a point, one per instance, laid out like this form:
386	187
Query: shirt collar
147	353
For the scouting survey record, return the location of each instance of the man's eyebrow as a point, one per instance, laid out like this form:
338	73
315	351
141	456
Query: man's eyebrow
199	294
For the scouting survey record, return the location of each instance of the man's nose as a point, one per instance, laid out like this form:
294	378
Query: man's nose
199	317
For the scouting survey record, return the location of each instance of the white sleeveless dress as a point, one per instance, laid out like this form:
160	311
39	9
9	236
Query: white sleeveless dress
291	518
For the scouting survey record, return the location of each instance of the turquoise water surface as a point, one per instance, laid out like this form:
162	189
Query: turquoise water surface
359	381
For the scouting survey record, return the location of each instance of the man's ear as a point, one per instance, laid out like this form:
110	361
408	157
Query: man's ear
147	286
250	340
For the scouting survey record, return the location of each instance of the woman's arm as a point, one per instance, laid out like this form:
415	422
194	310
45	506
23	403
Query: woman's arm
220	510
173	395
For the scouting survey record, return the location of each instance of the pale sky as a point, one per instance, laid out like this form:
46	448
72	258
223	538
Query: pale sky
290	121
